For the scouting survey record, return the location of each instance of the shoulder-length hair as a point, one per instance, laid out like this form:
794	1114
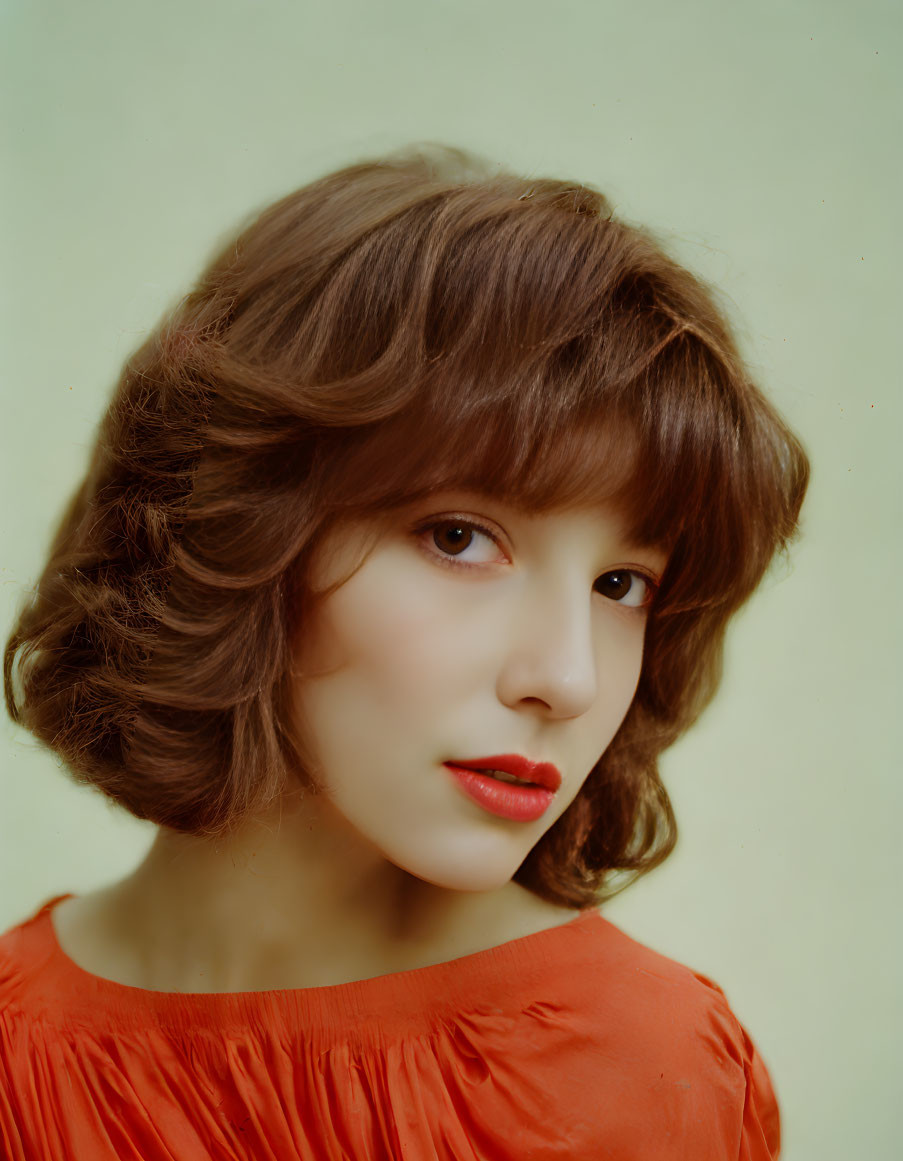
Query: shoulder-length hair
399	327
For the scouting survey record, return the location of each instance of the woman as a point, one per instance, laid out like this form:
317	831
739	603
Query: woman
408	544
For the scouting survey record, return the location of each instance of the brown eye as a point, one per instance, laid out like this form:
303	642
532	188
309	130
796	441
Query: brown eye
452	537
626	587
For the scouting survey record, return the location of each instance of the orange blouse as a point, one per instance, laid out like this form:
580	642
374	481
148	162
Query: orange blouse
576	1042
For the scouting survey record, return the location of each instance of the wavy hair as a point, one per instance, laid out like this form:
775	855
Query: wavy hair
402	326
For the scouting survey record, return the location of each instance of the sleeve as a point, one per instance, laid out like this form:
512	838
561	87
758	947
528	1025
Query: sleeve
760	1138
760	1128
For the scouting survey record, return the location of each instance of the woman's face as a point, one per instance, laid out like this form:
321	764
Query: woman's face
455	642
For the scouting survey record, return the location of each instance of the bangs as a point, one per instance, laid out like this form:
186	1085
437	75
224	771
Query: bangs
512	340
662	449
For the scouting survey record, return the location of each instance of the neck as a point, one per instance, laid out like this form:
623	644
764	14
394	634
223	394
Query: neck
297	900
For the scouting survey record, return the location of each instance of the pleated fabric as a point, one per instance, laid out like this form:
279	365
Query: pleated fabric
576	1042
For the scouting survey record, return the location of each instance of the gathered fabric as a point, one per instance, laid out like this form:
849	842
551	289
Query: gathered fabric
575	1042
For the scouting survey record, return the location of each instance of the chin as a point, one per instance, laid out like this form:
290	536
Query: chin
462	877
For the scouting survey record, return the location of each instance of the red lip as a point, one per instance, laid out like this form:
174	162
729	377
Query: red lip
542	773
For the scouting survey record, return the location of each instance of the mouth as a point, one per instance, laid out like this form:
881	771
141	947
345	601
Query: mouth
516	800
514	769
501	776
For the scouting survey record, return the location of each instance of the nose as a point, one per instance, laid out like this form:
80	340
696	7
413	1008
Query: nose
550	656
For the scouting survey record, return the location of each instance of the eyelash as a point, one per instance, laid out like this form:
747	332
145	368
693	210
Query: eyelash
452	562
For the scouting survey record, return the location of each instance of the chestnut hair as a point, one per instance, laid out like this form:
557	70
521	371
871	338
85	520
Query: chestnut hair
402	326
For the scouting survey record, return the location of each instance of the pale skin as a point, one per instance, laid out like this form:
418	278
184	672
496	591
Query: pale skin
519	645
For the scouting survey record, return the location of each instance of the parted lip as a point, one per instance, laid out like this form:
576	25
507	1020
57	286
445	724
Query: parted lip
542	773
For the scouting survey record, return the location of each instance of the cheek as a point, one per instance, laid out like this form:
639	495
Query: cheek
620	662
390	640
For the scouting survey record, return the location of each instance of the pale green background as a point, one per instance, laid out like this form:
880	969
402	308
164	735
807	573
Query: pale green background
763	139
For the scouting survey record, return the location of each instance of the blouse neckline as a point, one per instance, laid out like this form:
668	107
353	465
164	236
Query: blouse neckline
488	977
